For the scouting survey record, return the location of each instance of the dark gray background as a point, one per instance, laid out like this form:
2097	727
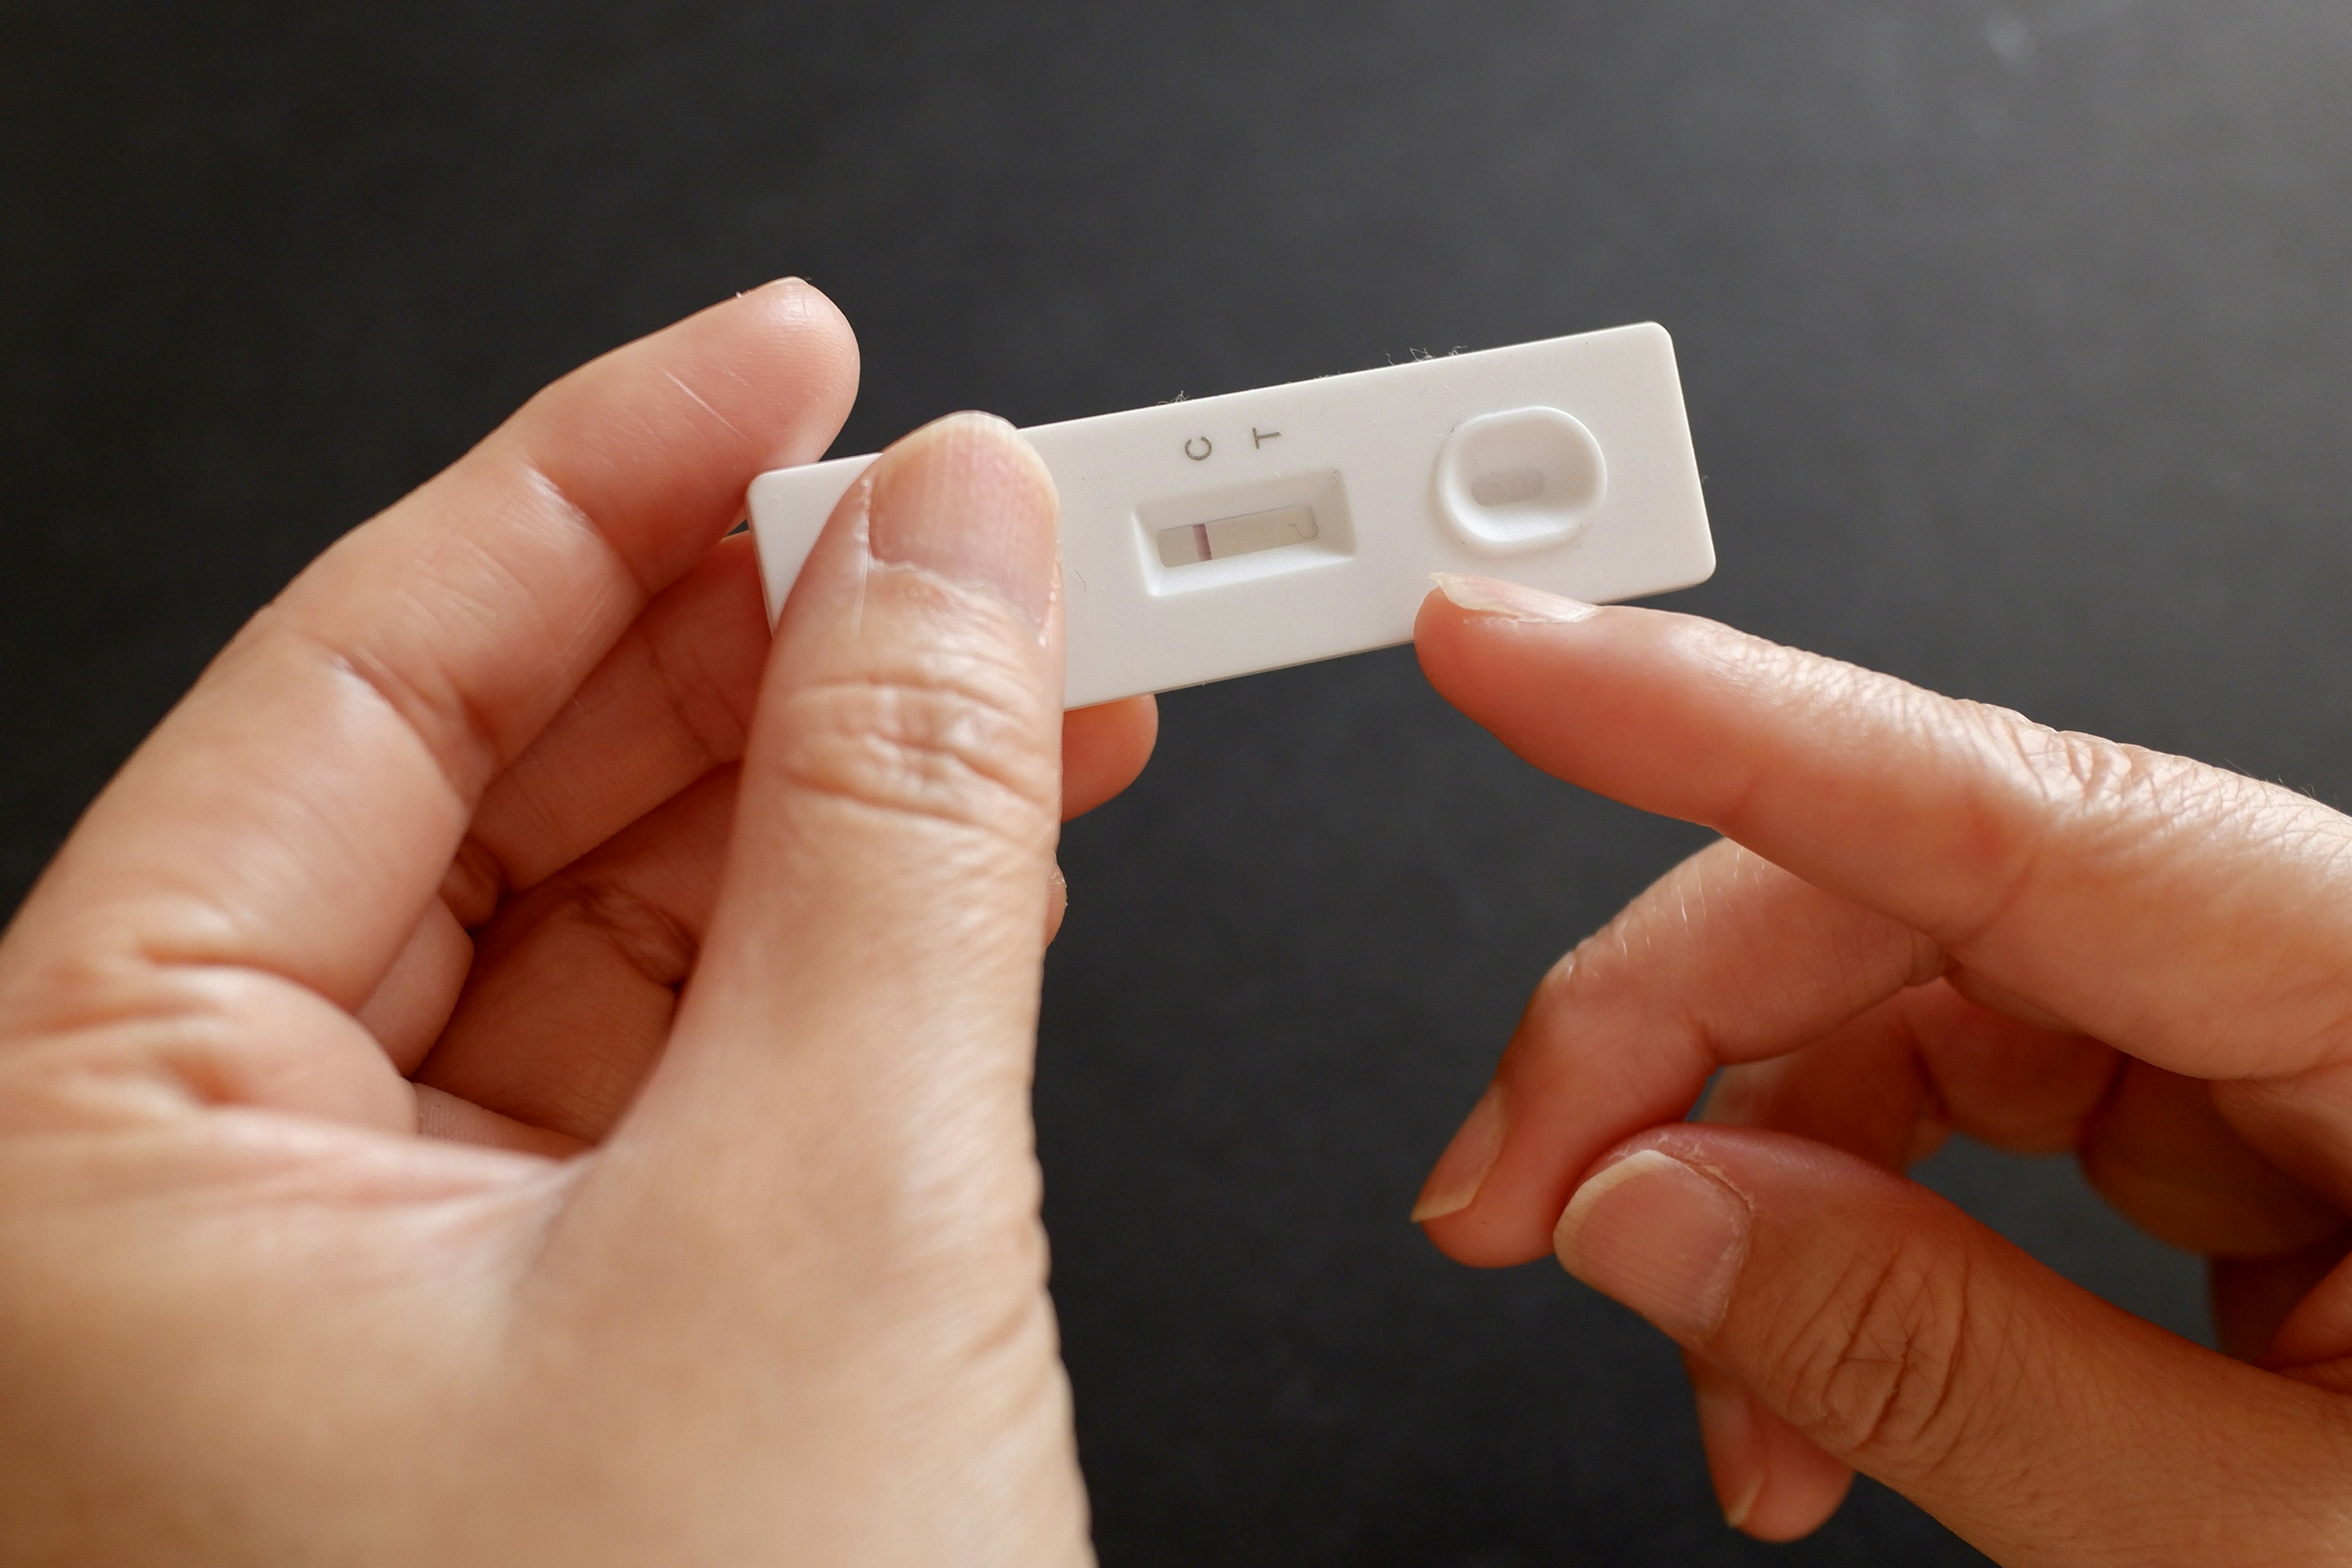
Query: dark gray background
2018	345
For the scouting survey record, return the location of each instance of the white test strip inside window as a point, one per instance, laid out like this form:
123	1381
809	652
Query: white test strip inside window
1245	535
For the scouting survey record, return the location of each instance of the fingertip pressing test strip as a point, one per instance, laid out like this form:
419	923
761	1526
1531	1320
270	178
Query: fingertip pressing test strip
1247	531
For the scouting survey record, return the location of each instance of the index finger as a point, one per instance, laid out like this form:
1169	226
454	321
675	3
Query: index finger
2183	913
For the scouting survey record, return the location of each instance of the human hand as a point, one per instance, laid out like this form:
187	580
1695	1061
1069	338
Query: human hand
1929	916
722	1245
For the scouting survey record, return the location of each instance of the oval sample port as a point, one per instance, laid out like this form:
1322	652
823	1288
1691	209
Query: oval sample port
1508	485
1523	478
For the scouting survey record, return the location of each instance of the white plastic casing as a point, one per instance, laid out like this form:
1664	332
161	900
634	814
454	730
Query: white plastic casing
1565	465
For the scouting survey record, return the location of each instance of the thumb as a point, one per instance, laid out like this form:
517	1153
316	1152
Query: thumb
866	1008
850	1066
1906	1340
815	1232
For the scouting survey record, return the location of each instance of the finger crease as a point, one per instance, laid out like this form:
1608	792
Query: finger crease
465	758
584	520
816	782
2004	900
716	748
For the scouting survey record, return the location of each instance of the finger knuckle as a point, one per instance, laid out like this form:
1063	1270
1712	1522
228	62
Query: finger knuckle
954	742
2073	773
2053	797
1876	1368
2090	785
643	935
1619	958
1600	977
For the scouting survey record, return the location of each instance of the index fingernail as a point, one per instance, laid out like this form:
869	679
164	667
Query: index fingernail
1462	1170
967	498
1513	601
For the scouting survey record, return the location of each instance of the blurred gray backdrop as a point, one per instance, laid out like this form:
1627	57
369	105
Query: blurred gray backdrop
2019	349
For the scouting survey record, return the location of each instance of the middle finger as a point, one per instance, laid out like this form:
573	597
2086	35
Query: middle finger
1726	959
575	982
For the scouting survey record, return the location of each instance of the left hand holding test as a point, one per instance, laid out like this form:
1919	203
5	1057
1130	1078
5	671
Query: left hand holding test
744	1268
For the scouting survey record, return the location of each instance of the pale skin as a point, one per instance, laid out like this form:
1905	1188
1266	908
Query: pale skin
747	1273
520	1068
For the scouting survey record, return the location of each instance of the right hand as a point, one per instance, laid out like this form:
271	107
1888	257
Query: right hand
1929	916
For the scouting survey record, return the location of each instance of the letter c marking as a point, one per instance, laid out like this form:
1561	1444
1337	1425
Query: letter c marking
1203	455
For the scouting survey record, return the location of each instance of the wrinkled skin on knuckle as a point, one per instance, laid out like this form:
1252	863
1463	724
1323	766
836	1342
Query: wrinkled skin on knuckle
2045	804
1615	963
1587	991
2116	791
1872	1369
1579	978
638	931
1715	925
952	737
2121	803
